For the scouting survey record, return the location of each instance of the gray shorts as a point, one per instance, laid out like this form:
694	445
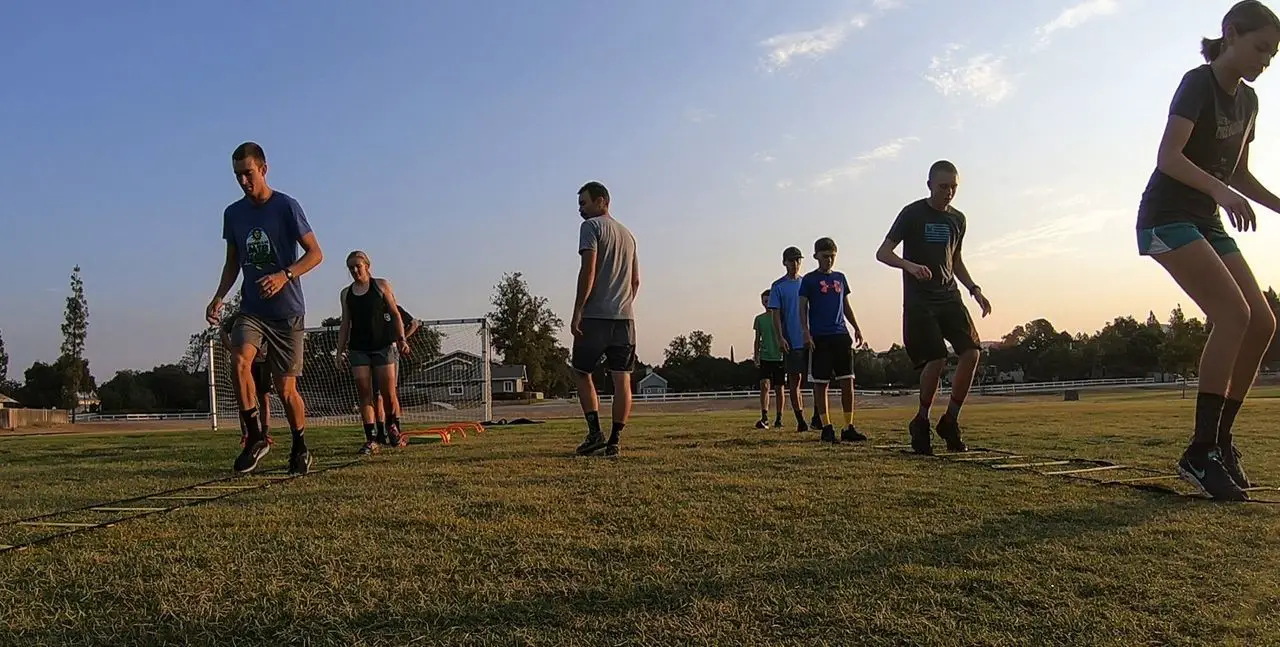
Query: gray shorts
280	341
797	361
372	358
614	340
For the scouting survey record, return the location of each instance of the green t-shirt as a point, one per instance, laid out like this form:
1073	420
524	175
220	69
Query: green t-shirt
769	349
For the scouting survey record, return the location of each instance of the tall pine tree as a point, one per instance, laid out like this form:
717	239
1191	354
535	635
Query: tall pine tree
75	328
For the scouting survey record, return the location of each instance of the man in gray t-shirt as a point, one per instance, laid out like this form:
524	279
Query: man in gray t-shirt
603	324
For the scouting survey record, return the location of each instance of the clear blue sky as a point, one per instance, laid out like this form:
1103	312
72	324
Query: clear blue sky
447	139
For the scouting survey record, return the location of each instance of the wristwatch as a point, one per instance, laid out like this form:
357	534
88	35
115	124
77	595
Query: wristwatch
288	274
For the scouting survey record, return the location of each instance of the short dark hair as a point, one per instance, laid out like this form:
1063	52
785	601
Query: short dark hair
249	150
1243	17
595	191
765	293
942	166
824	244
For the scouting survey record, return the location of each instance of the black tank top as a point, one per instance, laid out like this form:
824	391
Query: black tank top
370	319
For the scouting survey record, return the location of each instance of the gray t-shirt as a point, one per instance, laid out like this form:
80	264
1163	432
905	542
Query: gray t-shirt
615	249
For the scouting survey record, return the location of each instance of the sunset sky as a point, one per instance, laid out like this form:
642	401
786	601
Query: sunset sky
447	139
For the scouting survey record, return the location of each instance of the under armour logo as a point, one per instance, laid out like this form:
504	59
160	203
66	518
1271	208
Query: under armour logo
834	285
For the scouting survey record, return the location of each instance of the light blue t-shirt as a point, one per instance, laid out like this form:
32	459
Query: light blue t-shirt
266	238
784	296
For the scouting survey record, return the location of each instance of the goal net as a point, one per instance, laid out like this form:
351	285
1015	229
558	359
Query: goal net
446	378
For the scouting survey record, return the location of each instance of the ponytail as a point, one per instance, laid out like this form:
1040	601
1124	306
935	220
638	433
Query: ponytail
1210	48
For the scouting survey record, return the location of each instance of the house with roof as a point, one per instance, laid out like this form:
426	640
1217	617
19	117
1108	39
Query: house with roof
652	384
7	402
459	377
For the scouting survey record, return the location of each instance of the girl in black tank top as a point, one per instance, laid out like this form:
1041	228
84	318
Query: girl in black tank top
370	318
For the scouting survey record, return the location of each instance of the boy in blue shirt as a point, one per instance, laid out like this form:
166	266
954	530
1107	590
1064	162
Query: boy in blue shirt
784	305
824	306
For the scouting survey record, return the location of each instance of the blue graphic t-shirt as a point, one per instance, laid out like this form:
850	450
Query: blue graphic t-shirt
825	293
266	240
784	296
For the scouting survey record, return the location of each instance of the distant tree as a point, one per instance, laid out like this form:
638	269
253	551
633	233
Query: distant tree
1184	340
4	362
75	328
524	330
196	359
331	322
685	348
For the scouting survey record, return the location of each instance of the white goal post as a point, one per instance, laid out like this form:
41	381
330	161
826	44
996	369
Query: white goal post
446	378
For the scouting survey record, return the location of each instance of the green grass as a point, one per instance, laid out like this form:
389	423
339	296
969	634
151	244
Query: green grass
706	532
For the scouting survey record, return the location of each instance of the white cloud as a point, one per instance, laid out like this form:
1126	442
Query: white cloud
885	5
784	184
1049	238
1076	15
980	77
763	156
784	49
698	115
862	162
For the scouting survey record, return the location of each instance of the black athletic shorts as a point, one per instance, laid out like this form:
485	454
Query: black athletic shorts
928	327
262	377
774	371
832	358
614	340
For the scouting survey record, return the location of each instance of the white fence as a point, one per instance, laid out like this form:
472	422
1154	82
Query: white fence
978	389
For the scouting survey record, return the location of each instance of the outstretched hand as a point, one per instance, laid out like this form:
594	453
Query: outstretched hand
982	302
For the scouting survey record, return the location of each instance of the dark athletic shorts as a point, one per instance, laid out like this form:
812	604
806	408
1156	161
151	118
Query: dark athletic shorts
372	358
614	340
796	361
832	358
928	327
280	341
773	371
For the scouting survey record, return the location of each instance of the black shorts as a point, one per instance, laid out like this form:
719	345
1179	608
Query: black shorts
832	358
773	371
261	377
928	327
614	340
797	361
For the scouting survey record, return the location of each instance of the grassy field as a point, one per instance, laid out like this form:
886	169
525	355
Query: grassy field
705	532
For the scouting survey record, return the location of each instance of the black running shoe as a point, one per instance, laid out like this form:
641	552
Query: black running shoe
253	452
1231	461
1203	469
762	423
370	448
594	442
921	439
949	430
299	462
829	435
851	435
611	450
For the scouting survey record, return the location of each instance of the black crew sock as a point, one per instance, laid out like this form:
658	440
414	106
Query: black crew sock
299	442
1229	410
1208	415
953	410
593	422
250	420
764	414
616	434
382	428
368	432
799	415
393	421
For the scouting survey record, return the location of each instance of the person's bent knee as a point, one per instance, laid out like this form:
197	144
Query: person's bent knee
1233	318
1262	323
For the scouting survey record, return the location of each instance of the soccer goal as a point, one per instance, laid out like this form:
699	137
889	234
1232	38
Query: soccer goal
445	379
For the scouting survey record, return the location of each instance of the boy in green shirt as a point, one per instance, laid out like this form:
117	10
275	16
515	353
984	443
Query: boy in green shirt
768	358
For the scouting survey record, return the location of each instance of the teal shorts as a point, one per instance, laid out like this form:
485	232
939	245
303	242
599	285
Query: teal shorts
1166	238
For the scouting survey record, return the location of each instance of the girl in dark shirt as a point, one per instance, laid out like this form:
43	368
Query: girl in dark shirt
1203	163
